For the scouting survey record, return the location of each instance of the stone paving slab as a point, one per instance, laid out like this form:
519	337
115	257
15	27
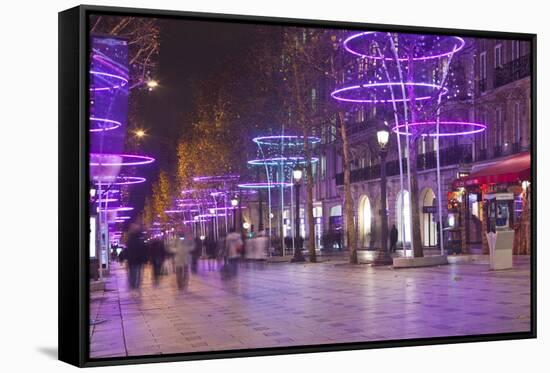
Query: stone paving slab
285	304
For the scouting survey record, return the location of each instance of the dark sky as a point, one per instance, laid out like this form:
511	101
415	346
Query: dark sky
190	51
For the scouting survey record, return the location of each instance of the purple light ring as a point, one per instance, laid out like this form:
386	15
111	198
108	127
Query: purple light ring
116	209
216	178
264	140
107	200
264	185
122	79
115	124
139	159
278	160
477	128
126	180
461	44
335	93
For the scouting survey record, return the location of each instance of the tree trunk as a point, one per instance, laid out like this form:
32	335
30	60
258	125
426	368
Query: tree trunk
309	201
414	193
348	201
413	170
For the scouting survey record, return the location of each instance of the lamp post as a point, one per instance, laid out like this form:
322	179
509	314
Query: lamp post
297	174
384	257
234	204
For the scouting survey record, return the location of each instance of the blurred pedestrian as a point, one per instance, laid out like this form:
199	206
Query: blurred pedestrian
393	238
259	249
195	254
157	255
234	247
136	255
182	246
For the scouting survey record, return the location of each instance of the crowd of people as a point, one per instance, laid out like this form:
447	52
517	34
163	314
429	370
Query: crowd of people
179	253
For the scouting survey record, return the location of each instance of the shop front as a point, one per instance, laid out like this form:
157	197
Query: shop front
493	197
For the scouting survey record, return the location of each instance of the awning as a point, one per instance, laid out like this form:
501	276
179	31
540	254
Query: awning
510	170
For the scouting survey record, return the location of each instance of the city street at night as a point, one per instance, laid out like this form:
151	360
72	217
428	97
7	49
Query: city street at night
267	187
286	304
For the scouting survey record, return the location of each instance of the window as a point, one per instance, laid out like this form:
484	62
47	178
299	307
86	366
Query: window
323	165
483	143
483	66
517	122
423	145
313	99
498	55
516	51
499	130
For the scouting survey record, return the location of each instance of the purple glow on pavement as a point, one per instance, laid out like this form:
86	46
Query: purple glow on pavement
109	124
132	159
434	47
450	128
372	92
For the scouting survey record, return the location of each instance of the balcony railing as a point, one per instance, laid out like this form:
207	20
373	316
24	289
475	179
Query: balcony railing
449	156
513	70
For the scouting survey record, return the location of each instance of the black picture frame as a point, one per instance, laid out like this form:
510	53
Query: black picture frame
73	186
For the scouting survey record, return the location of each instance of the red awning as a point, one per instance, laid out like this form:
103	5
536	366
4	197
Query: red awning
510	170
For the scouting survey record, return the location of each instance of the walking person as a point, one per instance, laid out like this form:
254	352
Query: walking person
393	238
234	247
182	246
136	255
157	255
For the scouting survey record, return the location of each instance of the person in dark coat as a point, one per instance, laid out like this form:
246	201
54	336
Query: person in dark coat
136	255
393	238
157	255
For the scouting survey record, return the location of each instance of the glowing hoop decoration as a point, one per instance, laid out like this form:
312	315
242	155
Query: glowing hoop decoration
123	217
112	81
450	128
108	124
288	140
124	180
112	159
435	46
217	178
117	209
264	185
374	93
107	200
277	161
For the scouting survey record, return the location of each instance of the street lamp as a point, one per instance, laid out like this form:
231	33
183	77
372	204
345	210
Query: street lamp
383	136
297	174
139	133
234	204
152	84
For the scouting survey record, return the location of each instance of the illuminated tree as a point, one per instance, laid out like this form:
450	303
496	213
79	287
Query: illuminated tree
161	196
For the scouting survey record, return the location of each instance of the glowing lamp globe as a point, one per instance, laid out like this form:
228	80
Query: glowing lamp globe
383	135
297	174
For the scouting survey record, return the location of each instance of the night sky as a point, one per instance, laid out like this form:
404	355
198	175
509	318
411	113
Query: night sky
190	52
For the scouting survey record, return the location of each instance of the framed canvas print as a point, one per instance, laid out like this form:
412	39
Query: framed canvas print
235	186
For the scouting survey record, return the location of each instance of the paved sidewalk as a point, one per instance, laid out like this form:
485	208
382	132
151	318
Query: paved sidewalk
285	304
